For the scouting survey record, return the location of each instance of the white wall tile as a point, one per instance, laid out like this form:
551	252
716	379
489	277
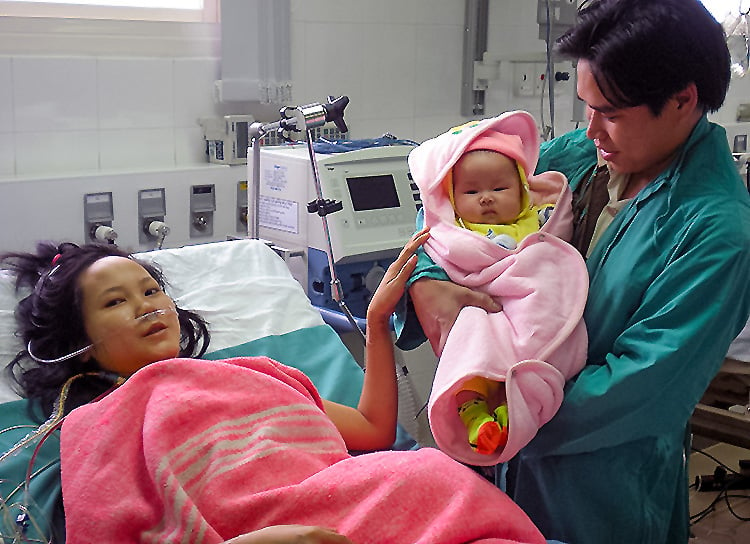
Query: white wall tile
194	90
514	41
389	11
298	10
438	70
388	70
190	146
56	152
399	61
330	11
401	127
441	11
333	62
7	154
6	95
739	93
54	93
135	93
135	149
299	57
429	127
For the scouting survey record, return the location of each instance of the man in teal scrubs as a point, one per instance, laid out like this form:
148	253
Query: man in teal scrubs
663	218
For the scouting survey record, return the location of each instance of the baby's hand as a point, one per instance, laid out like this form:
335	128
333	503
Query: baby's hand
391	287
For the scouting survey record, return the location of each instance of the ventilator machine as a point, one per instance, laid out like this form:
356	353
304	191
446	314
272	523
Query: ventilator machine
377	205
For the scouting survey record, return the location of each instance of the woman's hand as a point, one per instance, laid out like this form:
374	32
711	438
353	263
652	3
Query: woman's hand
372	425
291	534
391	287
437	304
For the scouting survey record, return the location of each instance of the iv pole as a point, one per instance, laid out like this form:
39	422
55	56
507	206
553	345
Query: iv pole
298	119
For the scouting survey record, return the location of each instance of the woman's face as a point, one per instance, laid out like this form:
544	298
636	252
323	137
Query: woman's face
116	291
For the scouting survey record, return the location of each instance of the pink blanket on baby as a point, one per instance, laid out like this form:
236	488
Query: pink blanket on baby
202	451
539	339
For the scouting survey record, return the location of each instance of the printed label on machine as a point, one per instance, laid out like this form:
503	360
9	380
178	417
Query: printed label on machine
279	214
275	178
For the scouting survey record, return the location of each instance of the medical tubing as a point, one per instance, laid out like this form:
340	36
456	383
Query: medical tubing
56	416
59	359
408	396
155	313
550	80
45	430
76	353
32	460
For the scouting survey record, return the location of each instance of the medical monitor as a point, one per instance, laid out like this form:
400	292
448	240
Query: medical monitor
375	192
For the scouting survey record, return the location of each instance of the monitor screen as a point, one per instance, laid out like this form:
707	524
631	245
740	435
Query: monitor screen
242	139
373	192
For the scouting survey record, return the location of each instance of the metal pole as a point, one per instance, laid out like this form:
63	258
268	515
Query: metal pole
336	289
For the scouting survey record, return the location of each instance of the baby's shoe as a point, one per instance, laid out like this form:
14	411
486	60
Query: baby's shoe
484	432
501	416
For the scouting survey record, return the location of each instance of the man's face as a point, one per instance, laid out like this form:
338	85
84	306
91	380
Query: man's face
632	140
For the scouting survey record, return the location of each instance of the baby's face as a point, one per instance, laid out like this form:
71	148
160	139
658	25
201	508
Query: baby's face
487	188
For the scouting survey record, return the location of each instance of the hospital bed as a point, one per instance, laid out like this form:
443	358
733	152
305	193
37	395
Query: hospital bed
253	306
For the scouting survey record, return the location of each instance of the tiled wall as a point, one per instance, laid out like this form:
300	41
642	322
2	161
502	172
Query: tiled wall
68	114
399	61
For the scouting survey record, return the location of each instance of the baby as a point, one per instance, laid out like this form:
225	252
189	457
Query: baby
491	197
496	228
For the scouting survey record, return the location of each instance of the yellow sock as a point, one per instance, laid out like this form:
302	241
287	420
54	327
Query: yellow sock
501	416
484	432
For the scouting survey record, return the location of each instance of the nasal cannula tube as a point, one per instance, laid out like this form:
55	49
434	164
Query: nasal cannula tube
154	314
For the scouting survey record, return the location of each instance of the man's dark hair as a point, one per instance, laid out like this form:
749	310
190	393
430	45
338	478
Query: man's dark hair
642	52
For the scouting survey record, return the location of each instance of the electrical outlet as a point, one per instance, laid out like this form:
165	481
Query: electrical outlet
528	78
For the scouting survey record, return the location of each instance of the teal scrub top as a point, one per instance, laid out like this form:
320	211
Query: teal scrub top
668	293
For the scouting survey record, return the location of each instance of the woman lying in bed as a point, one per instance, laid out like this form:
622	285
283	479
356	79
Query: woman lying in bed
165	448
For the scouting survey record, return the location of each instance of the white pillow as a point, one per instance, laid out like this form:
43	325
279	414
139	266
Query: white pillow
242	288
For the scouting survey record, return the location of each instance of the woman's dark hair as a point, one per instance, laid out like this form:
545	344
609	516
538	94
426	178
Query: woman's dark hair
50	318
642	52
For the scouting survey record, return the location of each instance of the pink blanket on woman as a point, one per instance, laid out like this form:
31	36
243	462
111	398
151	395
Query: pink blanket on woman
202	451
539	339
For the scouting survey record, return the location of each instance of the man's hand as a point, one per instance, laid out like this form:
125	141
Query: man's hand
438	303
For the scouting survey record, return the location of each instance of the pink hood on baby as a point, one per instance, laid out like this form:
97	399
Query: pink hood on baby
433	160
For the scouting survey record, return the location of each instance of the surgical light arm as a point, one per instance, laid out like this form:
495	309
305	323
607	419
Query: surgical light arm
293	119
299	119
